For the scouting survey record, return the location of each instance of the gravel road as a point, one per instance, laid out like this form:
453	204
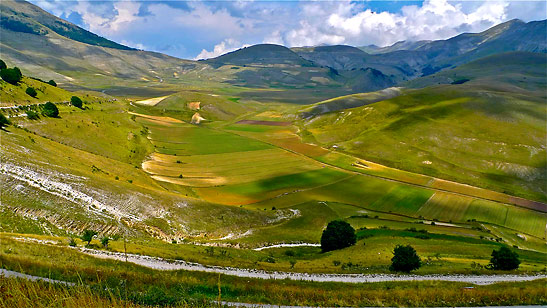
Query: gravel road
164	264
12	274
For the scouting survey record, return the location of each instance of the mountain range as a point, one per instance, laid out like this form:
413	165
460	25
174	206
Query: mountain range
51	48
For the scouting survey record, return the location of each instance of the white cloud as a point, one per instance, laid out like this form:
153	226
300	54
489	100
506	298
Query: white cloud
274	38
192	28
220	49
349	23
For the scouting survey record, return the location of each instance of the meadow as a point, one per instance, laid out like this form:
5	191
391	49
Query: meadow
124	283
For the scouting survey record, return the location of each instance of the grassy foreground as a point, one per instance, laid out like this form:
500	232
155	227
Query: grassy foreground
120	284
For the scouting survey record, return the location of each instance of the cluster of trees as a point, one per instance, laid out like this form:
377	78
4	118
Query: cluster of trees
11	75
340	234
14	76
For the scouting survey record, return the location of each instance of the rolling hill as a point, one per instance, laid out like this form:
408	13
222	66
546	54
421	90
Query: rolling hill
487	132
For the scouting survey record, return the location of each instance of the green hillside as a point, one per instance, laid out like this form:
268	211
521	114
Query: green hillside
484	132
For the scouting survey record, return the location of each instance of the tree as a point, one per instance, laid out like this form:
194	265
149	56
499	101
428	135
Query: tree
3	65
504	259
50	110
338	234
30	91
88	235
52	83
405	259
76	102
3	121
11	75
104	241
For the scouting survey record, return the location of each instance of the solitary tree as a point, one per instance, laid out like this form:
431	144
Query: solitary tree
405	259
50	110
11	75
30	91
504	259
3	65
4	121
88	235
338	234
52	83
76	102
104	241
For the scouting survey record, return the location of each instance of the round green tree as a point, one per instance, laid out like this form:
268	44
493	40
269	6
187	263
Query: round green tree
30	91
11	75
405	259
338	234
52	83
504	259
50	110
76	102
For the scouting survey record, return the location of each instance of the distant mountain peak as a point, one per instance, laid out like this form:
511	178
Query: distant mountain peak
260	53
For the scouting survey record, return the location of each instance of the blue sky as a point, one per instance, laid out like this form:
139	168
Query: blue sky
203	29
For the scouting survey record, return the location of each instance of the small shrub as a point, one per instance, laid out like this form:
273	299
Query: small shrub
293	263
104	241
52	83
289	253
72	242
3	65
270	259
76	102
4	121
88	235
336	262
50	110
31	92
31	115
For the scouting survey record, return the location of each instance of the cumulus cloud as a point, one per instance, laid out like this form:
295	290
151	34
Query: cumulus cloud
190	28
223	47
351	23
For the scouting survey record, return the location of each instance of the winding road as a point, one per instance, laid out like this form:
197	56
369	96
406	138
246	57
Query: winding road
165	265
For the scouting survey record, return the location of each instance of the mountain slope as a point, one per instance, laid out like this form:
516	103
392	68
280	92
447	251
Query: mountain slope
488	132
408	60
263	54
21	16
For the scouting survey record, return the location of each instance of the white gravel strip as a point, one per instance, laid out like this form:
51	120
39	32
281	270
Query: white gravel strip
12	274
287	245
164	264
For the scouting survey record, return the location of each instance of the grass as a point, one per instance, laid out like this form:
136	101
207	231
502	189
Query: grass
11	95
117	281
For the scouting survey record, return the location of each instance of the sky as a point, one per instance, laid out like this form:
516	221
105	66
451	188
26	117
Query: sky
205	29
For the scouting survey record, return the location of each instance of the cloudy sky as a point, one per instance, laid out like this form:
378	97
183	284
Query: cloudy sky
204	29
